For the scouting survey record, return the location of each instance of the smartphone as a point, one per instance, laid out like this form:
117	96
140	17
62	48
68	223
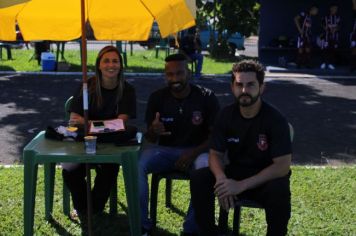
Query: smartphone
98	124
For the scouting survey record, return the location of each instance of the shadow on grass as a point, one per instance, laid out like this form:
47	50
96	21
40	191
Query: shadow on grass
58	227
177	210
6	68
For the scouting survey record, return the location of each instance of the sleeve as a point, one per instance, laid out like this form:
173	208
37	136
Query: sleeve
151	109
77	102
127	104
280	139
218	138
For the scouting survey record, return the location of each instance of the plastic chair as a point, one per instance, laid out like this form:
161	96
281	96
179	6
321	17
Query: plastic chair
169	176
66	193
7	47
163	45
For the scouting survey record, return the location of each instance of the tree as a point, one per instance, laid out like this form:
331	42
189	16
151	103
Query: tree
230	16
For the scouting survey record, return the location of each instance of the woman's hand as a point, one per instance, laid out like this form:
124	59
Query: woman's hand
75	119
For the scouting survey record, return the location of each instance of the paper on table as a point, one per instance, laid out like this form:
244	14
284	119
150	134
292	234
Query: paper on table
109	126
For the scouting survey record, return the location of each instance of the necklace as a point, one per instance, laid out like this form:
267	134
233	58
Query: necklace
180	110
180	104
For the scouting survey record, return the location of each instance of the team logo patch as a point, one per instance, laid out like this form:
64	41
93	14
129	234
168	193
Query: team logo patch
197	118
262	143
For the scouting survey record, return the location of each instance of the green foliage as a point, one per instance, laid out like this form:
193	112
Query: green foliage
323	203
231	15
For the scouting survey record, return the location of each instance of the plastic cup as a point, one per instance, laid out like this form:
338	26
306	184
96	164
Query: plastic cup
139	137
90	144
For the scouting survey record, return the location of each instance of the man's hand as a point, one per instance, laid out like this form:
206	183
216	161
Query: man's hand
185	160
75	119
227	203
228	187
158	127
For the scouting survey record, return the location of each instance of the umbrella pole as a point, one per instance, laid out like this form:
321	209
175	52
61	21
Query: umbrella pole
85	104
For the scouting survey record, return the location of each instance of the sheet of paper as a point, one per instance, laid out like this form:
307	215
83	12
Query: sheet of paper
109	126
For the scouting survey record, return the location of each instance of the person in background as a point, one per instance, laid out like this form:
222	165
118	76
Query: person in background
303	22
255	137
330	37
110	97
179	118
190	45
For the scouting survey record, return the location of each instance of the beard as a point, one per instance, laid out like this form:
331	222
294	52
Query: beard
177	86
246	100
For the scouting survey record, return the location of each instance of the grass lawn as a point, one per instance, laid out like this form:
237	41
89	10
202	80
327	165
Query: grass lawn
323	203
140	61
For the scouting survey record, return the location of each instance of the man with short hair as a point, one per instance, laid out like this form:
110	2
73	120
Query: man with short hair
179	118
255	136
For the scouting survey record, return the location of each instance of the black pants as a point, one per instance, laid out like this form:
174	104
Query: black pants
74	177
274	196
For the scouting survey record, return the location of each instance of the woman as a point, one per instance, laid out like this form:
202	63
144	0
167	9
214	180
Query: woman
110	96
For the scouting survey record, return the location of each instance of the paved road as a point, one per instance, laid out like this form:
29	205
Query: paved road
323	112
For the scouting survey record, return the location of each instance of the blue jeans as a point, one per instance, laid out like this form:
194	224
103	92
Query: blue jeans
155	159
198	57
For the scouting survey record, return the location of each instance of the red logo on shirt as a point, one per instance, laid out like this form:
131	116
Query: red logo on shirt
197	118
262	143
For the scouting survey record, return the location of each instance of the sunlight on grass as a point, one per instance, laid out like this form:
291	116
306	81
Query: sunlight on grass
323	203
140	61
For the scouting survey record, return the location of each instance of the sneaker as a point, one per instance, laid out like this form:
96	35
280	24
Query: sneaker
331	67
323	66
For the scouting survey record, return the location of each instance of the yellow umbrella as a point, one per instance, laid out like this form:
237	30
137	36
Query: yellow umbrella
60	20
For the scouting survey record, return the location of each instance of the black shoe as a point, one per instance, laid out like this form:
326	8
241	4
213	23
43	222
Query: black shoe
145	232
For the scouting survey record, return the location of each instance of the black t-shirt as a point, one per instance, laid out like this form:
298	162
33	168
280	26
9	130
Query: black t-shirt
188	119
110	108
251	143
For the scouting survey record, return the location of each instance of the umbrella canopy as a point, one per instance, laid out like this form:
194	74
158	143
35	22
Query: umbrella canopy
60	20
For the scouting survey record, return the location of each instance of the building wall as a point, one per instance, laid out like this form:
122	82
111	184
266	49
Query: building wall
277	19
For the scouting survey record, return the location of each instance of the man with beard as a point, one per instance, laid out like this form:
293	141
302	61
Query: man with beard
179	118
255	136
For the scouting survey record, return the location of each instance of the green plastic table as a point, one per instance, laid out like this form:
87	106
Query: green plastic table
49	152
